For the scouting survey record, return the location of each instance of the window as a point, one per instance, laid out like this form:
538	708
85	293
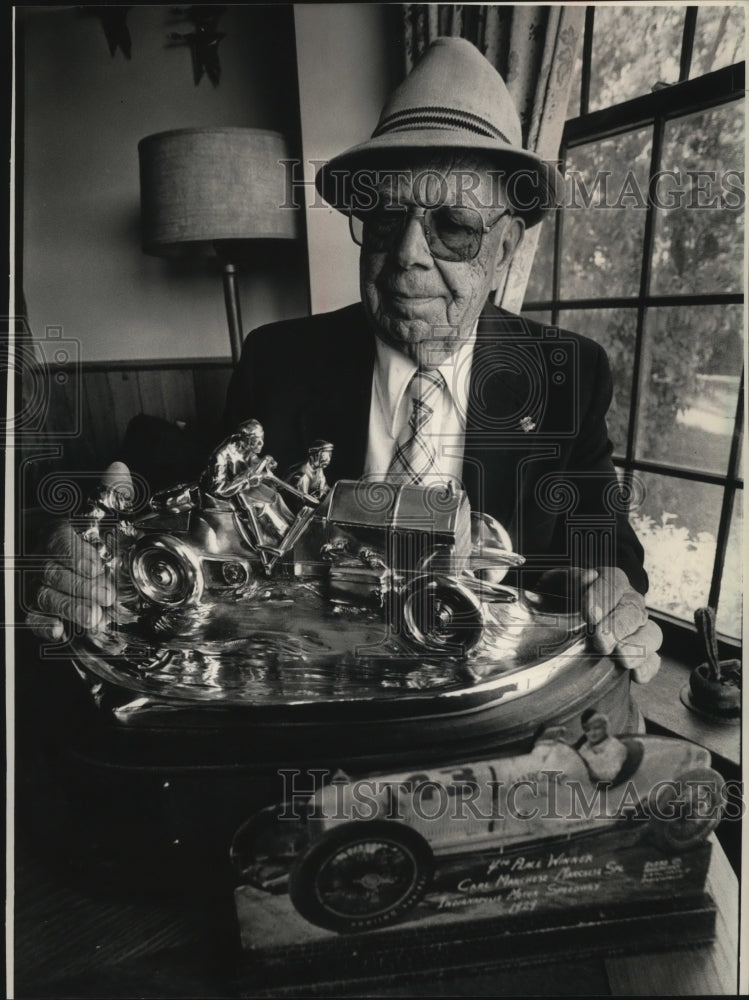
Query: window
647	259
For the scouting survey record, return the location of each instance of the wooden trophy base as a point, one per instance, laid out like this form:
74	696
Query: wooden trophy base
596	896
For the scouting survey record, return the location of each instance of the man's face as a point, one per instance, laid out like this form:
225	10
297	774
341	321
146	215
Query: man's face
596	732
423	306
323	458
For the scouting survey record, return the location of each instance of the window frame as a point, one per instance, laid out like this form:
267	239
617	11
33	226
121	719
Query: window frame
654	110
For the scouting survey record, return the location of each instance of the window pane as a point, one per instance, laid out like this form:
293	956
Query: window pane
718	39
614	330
539	280
604	221
633	49
740	470
699	222
573	104
691	369
731	589
677	524
542	316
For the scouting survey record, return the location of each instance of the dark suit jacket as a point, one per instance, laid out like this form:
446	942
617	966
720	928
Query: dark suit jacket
537	454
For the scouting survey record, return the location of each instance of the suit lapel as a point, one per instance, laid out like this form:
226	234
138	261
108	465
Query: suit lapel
506	394
338	408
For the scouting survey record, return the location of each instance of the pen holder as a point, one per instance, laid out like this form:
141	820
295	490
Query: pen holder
715	686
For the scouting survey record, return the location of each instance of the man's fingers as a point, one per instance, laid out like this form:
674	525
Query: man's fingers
72	550
566	582
647	669
604	594
628	616
73	609
97	590
569	574
639	652
579	577
45	627
75	585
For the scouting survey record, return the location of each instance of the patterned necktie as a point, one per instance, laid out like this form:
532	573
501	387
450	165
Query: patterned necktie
415	458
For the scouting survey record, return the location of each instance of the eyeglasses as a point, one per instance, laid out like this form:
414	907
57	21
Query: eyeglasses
451	233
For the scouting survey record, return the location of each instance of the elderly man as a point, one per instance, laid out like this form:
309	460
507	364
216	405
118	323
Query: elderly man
424	378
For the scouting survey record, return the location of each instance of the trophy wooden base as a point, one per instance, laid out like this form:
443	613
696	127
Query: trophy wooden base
479	915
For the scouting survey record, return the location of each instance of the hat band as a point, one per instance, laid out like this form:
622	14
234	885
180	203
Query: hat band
438	118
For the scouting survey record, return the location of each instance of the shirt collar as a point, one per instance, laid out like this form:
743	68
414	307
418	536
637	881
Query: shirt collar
394	370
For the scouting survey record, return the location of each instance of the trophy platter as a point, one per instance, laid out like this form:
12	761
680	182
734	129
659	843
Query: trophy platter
252	593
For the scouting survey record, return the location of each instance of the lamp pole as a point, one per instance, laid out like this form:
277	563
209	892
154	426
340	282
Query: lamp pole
233	309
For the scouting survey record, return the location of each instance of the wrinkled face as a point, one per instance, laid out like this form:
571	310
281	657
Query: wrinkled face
421	305
596	732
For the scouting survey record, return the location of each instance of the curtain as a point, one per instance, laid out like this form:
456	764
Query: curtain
534	49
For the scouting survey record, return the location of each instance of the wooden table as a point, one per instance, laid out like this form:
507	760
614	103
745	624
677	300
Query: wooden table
72	942
660	702
708	970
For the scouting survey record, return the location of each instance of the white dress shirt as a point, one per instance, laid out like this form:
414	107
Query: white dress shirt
390	409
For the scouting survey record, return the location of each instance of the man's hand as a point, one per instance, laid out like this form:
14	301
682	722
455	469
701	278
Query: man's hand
76	585
74	590
616	613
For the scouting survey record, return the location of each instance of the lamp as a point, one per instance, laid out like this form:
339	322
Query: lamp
210	191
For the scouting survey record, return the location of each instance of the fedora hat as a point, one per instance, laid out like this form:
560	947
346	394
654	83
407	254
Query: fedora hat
453	99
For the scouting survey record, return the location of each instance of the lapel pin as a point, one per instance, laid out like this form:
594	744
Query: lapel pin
527	424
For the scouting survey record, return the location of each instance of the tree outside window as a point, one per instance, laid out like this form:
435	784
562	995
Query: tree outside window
647	259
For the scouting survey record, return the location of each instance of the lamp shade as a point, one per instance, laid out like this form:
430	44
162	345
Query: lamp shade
199	186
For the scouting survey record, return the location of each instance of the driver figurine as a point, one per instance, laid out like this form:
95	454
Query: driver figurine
603	754
235	459
310	478
235	470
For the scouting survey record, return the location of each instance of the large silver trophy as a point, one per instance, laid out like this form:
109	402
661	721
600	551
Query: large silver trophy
244	587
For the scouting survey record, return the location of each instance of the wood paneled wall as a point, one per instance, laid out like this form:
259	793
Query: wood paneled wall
90	406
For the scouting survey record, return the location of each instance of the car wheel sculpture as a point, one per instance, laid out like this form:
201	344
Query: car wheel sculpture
166	570
688	809
361	876
438	613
